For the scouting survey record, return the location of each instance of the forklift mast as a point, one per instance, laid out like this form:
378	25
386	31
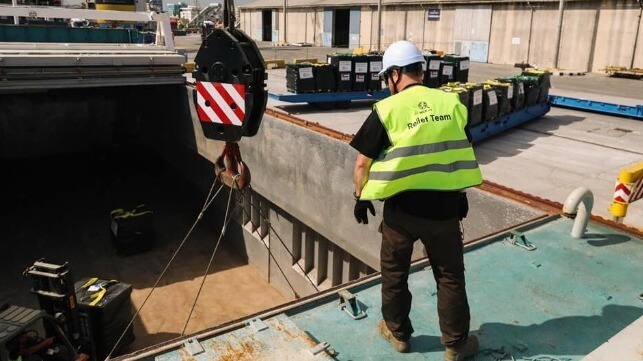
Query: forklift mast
54	286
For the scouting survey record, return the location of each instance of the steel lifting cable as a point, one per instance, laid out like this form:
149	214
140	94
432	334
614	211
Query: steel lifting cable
206	204
264	217
226	220
254	226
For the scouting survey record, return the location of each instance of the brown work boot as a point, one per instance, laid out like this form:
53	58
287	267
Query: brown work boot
399	346
469	348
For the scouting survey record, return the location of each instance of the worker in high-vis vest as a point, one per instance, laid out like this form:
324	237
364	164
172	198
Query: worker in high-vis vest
415	154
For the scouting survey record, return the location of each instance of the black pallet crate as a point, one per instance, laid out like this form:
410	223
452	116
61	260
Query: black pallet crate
544	82
489	104
132	231
344	65
325	78
446	72
102	323
463	94
432	70
532	89
475	103
518	96
300	78
361	76
504	92
460	67
374	67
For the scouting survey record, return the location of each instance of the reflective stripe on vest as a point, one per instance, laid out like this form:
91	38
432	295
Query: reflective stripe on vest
430	150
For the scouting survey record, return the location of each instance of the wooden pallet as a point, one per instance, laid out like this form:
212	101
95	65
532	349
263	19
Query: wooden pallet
622	72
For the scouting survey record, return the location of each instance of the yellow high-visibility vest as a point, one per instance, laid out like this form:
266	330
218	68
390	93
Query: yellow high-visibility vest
430	149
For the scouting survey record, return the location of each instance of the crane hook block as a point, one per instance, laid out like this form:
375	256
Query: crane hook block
230	94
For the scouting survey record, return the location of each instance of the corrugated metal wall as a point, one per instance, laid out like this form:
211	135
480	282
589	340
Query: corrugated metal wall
594	34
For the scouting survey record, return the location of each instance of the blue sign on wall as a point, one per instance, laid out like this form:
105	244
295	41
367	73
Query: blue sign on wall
433	15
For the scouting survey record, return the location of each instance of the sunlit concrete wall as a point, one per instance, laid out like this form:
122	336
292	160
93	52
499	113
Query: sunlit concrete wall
393	24
594	34
415	22
438	35
577	36
250	23
296	224
298	26
616	36
368	27
510	34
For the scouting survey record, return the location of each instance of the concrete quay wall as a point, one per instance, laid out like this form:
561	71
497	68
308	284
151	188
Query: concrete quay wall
296	224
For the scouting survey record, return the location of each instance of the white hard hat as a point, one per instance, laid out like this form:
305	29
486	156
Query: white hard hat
401	53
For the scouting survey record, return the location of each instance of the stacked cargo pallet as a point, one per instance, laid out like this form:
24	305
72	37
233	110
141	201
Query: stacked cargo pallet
493	99
341	73
440	70
310	78
485	102
359	73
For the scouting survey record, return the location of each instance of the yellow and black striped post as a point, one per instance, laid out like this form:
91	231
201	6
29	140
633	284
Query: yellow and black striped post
628	189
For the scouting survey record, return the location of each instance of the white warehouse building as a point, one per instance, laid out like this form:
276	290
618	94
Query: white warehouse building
578	35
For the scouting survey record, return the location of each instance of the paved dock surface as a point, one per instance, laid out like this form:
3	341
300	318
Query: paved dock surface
548	157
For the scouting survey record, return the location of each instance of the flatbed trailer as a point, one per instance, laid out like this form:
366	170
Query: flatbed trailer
328	100
623	72
478	132
629	111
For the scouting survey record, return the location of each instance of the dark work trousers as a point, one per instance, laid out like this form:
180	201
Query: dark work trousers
443	242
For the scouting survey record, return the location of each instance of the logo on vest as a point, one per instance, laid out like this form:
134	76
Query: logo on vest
423	107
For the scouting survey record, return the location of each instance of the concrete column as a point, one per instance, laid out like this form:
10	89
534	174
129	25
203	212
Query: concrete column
247	207
16	19
296	241
309	250
559	30
636	35
531	28
285	22
255	216
350	267
335	264
353	269
370	37
264	223
590	59
379	25
321	259
281	274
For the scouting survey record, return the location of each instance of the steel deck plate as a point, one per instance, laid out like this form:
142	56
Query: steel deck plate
564	300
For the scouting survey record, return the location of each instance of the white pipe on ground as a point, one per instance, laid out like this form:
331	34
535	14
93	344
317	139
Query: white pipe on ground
573	209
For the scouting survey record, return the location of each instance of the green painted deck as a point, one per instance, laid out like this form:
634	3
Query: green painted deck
560	301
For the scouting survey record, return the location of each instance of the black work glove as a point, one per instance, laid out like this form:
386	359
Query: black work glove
360	211
463	206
